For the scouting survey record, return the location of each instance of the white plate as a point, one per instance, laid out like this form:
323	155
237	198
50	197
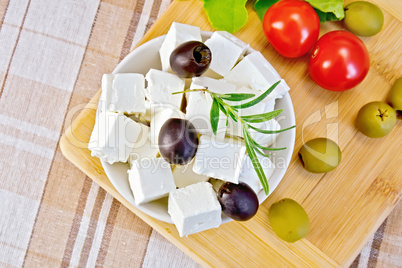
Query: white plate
141	60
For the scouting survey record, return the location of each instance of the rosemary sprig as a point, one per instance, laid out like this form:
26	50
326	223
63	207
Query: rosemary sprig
253	147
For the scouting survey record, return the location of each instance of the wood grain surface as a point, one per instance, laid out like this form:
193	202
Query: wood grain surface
345	206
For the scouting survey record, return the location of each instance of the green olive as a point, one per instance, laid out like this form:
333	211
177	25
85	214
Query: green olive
289	220
376	119
363	18
320	155
395	95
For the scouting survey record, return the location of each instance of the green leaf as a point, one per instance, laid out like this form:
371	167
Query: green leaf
258	118
327	10
233	117
221	107
225	111
265	131
261	7
214	115
267	148
257	100
236	96
226	15
325	16
261	153
190	90
254	160
329	6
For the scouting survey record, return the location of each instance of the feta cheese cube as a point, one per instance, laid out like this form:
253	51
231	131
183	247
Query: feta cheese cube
256	72
198	113
124	93
213	85
159	117
267	140
107	83
147	115
143	147
249	176
161	85
220	160
199	105
229	50
184	175
177	35
113	137
194	208
235	128
150	179
212	74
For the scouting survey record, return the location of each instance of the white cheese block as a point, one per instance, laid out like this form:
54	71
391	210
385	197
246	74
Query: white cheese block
147	115
178	34
235	128
249	176
226	50
198	113
124	93
257	73
143	152
212	74
143	147
267	140
213	85
161	85
158	118
107	83
265	106
113	137
220	160
194	208
184	175
199	105
198	110
150	179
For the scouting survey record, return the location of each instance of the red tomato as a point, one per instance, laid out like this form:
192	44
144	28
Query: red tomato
339	61
292	27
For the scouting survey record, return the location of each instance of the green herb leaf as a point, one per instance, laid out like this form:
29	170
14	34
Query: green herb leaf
236	96
327	10
325	16
225	111
329	6
257	100
262	153
214	115
261	7
258	118
226	15
266	131
255	161
233	117
267	148
189	90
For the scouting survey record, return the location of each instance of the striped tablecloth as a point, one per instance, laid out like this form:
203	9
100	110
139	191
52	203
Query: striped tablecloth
52	56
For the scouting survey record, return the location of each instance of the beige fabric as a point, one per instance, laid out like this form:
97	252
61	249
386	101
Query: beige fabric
52	56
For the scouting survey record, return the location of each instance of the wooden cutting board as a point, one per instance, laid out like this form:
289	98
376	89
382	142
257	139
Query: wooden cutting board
345	206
